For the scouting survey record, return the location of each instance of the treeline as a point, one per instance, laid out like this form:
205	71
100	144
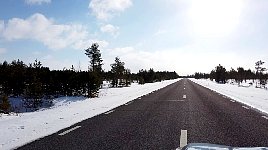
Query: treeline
37	84
150	76
221	75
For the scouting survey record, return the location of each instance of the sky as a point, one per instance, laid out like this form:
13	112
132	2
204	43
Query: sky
185	36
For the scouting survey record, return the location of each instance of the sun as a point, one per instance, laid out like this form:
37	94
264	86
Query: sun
214	18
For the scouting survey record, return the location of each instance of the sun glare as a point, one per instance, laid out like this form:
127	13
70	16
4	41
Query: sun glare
214	18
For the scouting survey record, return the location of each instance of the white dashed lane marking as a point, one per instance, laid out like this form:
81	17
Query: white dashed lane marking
109	112
265	117
245	107
70	130
183	138
176	100
129	103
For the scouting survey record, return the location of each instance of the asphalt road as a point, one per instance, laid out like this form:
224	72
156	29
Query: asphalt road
164	119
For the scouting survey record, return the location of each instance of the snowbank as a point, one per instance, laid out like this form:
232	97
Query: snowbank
26	127
256	98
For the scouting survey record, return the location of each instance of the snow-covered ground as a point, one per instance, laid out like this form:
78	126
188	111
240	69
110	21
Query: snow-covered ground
246	93
16	130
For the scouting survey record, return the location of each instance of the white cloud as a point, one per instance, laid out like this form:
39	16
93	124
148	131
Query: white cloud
113	30
180	60
160	32
36	53
2	26
2	50
211	18
106	9
123	50
55	63
140	59
83	44
55	36
37	2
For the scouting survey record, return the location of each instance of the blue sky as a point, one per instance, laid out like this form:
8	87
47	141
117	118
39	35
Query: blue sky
185	36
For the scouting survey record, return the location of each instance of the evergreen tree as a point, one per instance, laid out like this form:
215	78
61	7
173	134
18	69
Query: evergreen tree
240	75
94	84
249	74
232	74
199	75
37	64
94	55
151	75
259	73
141	80
34	94
144	76
220	74
95	70
118	70
127	76
5	105
34	91
72	68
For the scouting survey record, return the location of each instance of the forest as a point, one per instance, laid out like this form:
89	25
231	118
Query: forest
221	75
37	84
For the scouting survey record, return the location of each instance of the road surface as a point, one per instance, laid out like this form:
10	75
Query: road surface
180	113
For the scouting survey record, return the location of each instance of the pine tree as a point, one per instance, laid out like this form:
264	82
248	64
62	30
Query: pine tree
37	64
34	94
259	73
94	55
95	70
240	75
5	105
33	90
94	84
117	71
151	75
141	80
220	74
127	76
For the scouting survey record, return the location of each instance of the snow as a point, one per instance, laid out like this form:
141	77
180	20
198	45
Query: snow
19	129
256	98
